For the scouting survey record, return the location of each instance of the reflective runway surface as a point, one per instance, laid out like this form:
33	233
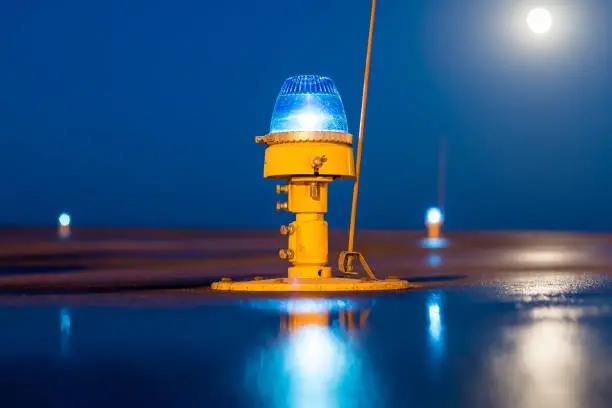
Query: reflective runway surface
529	340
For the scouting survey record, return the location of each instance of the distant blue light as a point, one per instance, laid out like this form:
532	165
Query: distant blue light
308	103
64	219
434	216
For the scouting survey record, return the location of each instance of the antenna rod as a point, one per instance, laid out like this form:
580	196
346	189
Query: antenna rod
366	79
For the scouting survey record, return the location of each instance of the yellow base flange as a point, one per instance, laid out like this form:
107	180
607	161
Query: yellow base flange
311	285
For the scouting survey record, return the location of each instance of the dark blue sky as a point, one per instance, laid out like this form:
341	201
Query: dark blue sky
143	112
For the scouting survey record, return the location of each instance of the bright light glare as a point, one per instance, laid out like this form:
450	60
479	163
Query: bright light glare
435	323
316	353
301	306
539	20
310	121
435	330
434	216
64	219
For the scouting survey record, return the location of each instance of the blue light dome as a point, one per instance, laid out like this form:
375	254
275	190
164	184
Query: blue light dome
64	219
308	103
434	216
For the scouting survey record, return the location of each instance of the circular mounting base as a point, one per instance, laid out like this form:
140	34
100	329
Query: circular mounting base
311	285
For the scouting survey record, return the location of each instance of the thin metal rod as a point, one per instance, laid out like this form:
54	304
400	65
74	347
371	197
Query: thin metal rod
366	79
442	174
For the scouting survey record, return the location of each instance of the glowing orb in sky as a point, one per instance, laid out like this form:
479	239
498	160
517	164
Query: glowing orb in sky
539	20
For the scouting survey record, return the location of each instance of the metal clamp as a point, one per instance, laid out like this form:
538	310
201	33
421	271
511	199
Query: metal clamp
345	264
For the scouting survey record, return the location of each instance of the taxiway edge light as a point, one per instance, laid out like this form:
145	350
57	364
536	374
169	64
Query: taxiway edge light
309	146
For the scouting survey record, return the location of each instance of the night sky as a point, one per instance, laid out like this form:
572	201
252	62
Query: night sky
143	112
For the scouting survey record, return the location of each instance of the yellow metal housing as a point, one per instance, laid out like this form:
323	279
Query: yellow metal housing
283	161
309	161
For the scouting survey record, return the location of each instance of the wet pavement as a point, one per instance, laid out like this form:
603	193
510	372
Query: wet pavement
541	340
521	320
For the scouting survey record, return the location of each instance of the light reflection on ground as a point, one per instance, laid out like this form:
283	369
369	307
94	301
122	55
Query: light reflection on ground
434	243
543	364
531	340
315	360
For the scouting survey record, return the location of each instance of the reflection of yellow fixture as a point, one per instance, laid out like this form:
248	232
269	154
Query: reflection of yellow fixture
294	321
348	320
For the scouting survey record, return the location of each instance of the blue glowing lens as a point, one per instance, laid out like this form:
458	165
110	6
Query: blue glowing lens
64	219
434	216
308	103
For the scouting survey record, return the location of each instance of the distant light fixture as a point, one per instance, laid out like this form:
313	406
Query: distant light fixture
64	219
63	225
308	103
434	219
539	20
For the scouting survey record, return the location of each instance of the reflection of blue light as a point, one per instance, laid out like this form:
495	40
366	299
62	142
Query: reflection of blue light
322	369
313	365
434	260
434	216
434	243
308	103
64	219
65	321
317	353
65	328
306	306
436	324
